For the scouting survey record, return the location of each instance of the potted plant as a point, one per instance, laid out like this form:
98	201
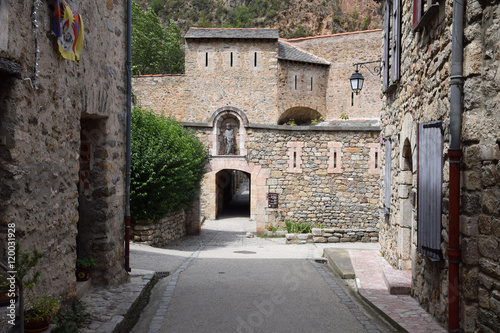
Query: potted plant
4	291
38	312
83	267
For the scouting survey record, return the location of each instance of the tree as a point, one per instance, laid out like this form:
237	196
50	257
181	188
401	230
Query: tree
155	49
167	166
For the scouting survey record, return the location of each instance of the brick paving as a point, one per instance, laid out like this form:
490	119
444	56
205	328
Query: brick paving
403	309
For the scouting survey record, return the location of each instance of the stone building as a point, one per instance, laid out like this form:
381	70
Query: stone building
62	141
441	129
244	89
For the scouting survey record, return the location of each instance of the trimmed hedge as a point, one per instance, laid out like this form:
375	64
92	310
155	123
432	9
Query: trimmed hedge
167	166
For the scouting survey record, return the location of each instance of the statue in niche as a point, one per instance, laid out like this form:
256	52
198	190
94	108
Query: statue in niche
229	139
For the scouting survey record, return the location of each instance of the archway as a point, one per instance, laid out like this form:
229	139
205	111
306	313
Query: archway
258	188
299	116
233	193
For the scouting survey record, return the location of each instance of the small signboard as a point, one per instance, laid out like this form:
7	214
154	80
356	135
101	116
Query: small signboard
272	200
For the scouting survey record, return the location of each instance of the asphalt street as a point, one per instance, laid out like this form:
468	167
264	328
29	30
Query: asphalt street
223	281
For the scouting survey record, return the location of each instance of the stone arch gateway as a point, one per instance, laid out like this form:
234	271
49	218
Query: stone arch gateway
258	187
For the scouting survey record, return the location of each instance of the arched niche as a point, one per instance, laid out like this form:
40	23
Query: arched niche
229	133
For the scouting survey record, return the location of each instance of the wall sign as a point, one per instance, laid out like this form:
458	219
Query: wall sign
272	200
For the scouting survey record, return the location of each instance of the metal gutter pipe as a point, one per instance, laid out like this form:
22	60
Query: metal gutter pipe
129	121
455	154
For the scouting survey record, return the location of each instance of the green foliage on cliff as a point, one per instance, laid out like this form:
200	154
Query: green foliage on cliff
167	166
291	17
155	49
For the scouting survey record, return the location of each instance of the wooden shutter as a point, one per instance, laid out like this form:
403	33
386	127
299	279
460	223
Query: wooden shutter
430	181
417	13
396	40
387	176
387	41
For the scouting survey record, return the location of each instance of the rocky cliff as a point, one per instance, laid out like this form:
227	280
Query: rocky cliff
294	18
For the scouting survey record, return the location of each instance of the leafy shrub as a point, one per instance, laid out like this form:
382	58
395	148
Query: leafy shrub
298	227
155	49
167	166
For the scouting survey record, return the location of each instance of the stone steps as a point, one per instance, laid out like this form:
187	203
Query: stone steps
398	282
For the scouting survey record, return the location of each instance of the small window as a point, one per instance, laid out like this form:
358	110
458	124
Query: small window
295	156
231	60
374	162
423	12
334	157
206	59
255	60
311	84
296	79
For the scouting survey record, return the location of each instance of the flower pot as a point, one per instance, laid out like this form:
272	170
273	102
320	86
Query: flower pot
82	274
36	325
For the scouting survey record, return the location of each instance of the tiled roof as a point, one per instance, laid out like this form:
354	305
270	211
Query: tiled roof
292	53
232	33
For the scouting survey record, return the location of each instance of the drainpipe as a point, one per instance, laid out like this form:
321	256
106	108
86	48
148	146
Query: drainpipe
129	116
455	154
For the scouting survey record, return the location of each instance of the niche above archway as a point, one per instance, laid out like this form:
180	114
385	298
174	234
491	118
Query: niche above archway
229	132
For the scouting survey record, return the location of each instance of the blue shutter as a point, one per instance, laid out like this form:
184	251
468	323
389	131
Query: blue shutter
396	40
430	181
387	41
387	176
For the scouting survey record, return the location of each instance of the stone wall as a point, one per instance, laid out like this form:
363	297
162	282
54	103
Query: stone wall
162	232
342	51
302	85
249	84
44	118
332	235
423	95
266	91
310	192
335	179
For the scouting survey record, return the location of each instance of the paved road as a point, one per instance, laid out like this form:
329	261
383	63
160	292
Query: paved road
223	281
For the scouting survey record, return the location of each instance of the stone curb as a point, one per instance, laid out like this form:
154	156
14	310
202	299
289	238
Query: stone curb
339	261
380	312
122	301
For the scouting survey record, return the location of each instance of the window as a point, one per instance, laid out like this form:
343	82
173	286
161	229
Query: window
295	156
335	157
374	162
423	11
429	187
311	84
206	59
255	60
387	177
392	43
296	82
231	60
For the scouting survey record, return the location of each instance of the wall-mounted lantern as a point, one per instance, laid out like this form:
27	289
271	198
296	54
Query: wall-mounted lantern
357	78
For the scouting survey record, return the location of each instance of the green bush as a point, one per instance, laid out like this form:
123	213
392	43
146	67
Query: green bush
155	49
298	227
167	166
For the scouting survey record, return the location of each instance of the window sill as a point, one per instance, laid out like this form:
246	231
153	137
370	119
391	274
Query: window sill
428	15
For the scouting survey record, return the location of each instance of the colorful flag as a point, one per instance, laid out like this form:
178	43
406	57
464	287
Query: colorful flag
67	24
